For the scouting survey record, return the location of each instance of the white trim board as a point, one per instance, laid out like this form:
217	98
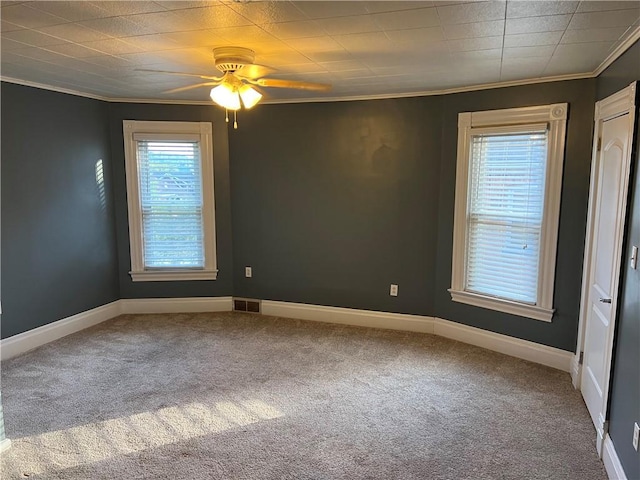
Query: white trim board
576	371
515	347
348	316
596	390
613	56
197	133
347	98
524	349
552	119
176	305
619	50
611	461
5	445
23	342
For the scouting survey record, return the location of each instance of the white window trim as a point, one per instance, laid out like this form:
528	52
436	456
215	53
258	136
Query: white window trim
555	116
137	129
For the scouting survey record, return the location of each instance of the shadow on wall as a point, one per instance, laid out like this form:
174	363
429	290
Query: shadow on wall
376	148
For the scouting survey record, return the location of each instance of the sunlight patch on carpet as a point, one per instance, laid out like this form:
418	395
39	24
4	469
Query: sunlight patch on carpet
99	441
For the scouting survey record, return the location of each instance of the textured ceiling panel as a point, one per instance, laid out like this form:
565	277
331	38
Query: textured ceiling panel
361	48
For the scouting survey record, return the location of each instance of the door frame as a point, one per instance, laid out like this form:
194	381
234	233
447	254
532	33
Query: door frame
620	103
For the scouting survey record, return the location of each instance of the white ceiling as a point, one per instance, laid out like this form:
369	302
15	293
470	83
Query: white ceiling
363	48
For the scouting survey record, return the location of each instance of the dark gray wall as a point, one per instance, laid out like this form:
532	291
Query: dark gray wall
203	288
331	203
625	386
562	331
334	202
58	248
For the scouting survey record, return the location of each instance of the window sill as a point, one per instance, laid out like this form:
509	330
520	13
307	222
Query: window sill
173	275
506	306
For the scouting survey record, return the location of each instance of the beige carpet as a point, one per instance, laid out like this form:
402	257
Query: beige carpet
236	396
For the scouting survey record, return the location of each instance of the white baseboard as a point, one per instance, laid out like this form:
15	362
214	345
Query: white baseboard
611	461
348	316
23	342
5	445
576	371
515	347
176	305
533	352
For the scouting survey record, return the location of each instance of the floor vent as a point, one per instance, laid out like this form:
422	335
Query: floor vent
246	305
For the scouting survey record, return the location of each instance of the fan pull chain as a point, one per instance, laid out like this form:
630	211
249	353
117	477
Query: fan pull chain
226	115
235	119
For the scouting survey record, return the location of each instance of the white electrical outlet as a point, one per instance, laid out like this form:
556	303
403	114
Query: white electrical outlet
247	272
636	432
393	291
634	257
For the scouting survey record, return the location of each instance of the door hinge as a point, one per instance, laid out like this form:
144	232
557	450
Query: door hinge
599	143
581	359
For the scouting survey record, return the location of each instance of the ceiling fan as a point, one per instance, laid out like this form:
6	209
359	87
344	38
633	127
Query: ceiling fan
241	80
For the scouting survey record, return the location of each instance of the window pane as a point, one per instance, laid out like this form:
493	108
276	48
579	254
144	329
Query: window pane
505	210
171	203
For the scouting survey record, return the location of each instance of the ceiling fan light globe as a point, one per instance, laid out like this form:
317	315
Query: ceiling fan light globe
250	96
226	97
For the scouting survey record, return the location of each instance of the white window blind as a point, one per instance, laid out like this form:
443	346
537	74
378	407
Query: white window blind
171	203
505	214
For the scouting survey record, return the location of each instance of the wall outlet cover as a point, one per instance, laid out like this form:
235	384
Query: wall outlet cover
248	272
393	291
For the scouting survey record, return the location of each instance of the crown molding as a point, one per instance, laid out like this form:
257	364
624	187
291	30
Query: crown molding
44	86
429	93
618	51
347	98
160	101
612	57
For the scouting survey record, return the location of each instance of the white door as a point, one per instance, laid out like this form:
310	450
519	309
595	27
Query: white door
607	221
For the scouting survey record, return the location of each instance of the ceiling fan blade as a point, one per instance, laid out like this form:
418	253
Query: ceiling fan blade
254	71
280	83
198	75
197	85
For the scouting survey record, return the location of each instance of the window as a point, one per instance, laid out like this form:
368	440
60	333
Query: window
170	199
509	175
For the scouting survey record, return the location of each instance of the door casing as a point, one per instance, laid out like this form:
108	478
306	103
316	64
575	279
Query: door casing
620	103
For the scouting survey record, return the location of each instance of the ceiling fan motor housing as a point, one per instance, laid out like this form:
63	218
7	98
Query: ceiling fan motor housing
231	59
